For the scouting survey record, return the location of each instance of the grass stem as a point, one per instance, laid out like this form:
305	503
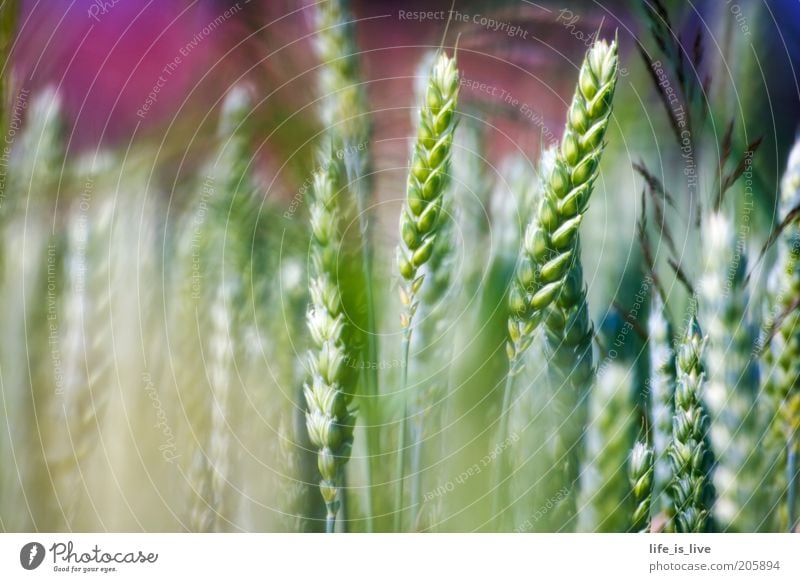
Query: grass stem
498	484
401	448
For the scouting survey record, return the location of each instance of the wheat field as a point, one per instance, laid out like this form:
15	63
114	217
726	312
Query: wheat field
384	267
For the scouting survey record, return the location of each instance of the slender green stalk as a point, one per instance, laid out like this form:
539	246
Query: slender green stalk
330	418
220	372
402	443
421	217
782	356
548	270
344	116
692	488
640	475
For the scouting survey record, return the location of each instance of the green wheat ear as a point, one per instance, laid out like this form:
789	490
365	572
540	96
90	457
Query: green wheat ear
423	215
691	490
427	179
782	356
328	392
548	278
550	249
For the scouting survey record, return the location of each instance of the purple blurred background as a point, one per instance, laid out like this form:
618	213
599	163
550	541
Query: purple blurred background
112	58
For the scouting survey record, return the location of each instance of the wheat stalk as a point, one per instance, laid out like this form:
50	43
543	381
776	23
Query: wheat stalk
40	267
330	418
432	345
732	382
471	189
421	216
782	356
88	362
548	269
640	475
662	396
344	116
692	489
213	466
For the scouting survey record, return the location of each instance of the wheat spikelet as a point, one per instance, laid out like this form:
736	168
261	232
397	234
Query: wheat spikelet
344	115
640	475
421	215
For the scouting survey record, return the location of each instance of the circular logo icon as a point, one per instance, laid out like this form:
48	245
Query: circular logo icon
31	555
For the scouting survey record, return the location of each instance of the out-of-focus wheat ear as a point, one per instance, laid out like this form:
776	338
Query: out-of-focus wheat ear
732	384
219	241
34	181
344	107
662	397
692	488
213	464
640	475
782	354
87	358
604	504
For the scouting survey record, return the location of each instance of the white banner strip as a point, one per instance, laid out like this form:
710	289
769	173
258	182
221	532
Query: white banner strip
401	557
